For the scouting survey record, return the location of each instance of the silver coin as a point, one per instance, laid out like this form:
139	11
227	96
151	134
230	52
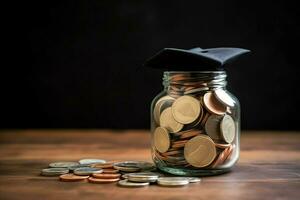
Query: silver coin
194	179
133	166
72	168
54	171
227	127
90	161
143	177
173	181
87	171
63	164
126	183
212	127
224	97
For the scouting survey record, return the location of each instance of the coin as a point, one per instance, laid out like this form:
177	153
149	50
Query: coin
229	151
125	176
87	171
72	168
126	183
98	180
213	105
106	176
133	166
200	151
110	171
190	134
106	165
224	97
227	127
54	171
170	153
161	139
222	146
90	161
167	121
179	143
63	164
143	177
186	109
219	160
72	178
172	181
160	105
194	179
212	127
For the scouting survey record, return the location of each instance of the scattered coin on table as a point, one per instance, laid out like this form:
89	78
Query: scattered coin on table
90	161
72	177
94	174
87	171
63	164
54	171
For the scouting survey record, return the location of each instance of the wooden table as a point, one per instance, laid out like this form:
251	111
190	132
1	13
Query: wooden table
269	166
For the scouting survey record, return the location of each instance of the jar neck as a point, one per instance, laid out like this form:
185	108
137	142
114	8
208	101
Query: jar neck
189	82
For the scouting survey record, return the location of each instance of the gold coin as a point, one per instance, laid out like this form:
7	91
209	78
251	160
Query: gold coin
167	121
212	104
160	105
200	151
227	127
161	139
186	109
212	127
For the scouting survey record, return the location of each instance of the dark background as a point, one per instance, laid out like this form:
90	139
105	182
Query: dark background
77	64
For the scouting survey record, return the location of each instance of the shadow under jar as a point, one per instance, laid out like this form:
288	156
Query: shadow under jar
195	124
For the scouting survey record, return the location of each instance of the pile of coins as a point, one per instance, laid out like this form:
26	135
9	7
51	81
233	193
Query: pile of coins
127	173
194	125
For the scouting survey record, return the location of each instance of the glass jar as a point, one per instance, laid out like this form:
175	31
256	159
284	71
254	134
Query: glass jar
195	124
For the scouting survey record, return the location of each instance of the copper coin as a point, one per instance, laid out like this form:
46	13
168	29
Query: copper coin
161	139
186	109
106	176
220	159
98	180
178	145
190	134
110	171
167	121
213	105
171	153
222	146
229	152
72	178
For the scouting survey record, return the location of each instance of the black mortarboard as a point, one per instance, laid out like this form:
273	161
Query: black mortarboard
194	59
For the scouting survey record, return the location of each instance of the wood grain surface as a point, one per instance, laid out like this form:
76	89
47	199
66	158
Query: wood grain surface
269	166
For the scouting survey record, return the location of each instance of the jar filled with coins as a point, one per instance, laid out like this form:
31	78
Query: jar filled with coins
195	120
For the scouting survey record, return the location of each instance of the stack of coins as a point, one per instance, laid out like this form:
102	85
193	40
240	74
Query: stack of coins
126	173
194	125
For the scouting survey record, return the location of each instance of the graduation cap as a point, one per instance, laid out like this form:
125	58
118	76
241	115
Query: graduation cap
194	59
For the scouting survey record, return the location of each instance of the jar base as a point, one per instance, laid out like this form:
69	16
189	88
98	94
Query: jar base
193	172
